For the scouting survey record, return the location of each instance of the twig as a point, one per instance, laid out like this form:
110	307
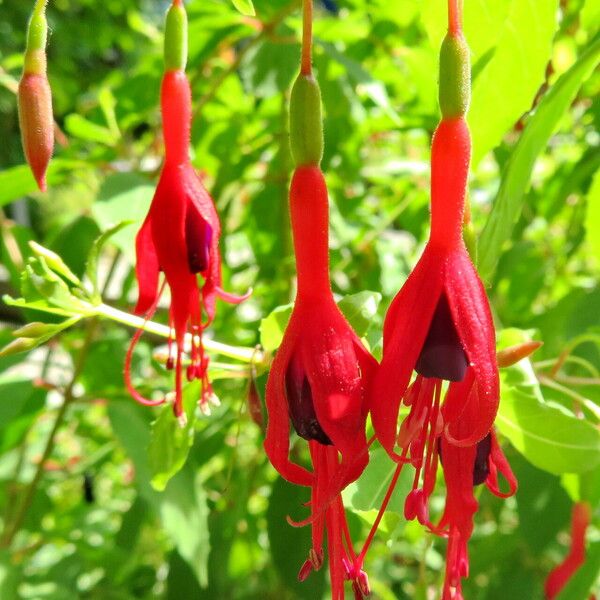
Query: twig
11	531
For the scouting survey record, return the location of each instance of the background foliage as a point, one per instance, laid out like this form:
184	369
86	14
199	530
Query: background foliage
103	499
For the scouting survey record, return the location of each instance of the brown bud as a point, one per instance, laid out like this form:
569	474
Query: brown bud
37	123
511	356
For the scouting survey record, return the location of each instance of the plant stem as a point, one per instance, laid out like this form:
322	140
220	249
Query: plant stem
11	531
307	21
244	354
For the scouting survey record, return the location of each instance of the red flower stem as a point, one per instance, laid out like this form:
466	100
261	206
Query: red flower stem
382	509
455	17
307	19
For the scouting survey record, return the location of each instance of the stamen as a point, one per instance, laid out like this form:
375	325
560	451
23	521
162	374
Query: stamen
442	355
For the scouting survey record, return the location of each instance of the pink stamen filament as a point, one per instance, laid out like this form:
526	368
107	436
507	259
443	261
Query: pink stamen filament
128	357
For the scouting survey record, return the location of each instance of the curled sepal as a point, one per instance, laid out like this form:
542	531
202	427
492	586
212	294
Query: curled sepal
176	37
306	124
35	99
455	77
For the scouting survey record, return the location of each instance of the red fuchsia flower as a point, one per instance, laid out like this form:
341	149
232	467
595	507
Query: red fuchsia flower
318	377
317	381
440	326
560	575
35	98
180	235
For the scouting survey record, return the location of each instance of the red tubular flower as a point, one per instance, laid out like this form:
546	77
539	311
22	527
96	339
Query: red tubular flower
180	235
440	324
560	575
319	376
317	381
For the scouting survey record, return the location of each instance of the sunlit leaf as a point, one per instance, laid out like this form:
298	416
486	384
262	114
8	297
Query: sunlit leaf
517	173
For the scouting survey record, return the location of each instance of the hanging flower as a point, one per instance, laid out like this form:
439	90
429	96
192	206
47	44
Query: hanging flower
319	376
440	327
317	381
180	235
560	575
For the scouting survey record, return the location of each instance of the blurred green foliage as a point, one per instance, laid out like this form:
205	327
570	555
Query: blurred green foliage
126	504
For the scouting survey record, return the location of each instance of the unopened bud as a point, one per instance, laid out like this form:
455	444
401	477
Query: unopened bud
35	99
37	124
21	344
35	330
511	356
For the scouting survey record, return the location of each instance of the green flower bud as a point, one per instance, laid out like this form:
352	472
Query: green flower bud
455	77
306	123
176	38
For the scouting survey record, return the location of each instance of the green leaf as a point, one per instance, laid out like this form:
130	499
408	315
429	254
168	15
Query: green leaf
184	514
507	85
273	327
548	436
91	268
592	220
585	580
80	127
170	443
55	262
18	182
360	309
245	7
123	197
517	173
10	577
290	545
590	16
368	492
364	83
182	506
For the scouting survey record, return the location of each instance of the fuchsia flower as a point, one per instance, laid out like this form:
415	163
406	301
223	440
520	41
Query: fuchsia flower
440	324
318	378
317	381
560	575
440	327
180	235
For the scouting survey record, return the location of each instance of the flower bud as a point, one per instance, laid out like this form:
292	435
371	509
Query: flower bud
35	99
512	355
455	77
37	124
306	124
